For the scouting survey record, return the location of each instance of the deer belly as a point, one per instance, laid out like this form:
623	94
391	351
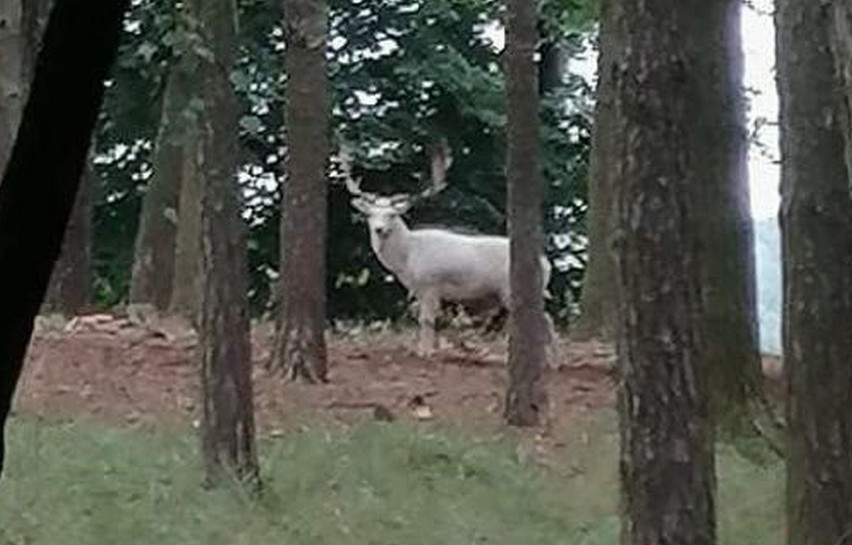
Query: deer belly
467	291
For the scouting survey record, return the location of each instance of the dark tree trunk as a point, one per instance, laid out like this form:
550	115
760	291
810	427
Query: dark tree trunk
598	301
154	256
228	441
70	284
667	458
526	398
816	227
300	346
551	65
69	290
722	209
40	184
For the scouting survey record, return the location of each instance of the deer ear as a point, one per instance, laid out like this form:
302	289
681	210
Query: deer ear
401	207
361	205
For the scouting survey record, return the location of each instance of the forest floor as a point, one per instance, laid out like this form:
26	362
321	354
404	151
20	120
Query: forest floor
102	449
139	373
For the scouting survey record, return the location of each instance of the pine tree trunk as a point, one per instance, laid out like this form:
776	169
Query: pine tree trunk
526	398
723	211
228	440
154	258
816	227
667	457
300	343
12	72
598	301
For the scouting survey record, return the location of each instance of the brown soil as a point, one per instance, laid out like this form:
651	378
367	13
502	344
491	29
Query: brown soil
141	374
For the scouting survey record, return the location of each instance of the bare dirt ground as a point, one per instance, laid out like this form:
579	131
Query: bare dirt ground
140	373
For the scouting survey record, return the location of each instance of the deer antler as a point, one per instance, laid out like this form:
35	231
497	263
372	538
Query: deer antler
441	160
352	185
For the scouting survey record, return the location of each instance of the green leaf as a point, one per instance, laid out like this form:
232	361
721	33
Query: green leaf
251	124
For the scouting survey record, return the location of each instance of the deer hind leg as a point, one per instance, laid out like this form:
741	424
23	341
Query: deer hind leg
430	305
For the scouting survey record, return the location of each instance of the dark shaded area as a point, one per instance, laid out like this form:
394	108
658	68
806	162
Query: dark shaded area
41	181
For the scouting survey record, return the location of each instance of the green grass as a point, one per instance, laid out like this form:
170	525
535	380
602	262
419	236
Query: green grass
376	484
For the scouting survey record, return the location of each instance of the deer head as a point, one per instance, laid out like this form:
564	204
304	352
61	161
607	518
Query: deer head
384	212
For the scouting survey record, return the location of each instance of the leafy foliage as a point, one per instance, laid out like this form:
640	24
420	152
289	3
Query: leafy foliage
403	73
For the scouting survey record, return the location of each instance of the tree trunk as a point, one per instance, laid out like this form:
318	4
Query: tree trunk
598	300
667	457
154	256
723	212
526	398
40	184
70	285
12	74
228	441
841	44
816	227
300	346
551	65
69	290
186	283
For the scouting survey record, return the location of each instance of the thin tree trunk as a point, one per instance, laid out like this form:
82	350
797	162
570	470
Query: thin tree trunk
667	455
228	440
526	398
816	227
300	343
12	73
40	184
551	66
598	300
154	257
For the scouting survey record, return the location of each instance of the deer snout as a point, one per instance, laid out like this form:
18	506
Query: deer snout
381	231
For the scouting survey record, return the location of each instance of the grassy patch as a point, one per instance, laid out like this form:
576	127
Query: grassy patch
375	484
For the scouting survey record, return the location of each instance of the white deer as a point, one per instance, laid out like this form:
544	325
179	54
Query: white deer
435	265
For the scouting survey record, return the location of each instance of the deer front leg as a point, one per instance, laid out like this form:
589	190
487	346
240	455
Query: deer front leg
429	306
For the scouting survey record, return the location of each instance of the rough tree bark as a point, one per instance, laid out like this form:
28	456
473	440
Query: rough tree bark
40	184
526	398
154	255
186	288
667	455
228	431
300	343
12	73
816	227
186	281
598	300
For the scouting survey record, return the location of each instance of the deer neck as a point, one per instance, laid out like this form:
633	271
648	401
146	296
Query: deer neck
393	250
